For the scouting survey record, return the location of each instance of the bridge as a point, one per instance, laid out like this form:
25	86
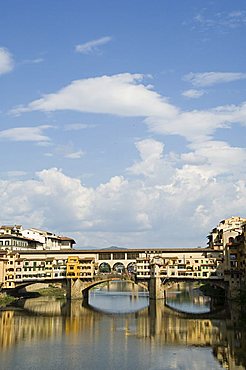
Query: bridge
79	270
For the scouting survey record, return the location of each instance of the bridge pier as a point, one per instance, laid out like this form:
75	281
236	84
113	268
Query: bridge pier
76	289
156	288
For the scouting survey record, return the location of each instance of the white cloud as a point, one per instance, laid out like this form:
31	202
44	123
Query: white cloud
33	61
6	61
67	151
152	162
193	94
221	21
16	173
121	94
197	126
126	95
216	158
212	78
78	126
145	210
75	155
92	46
26	134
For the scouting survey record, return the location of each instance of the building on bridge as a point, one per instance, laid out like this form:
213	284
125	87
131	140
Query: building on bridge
29	266
81	268
198	264
17	269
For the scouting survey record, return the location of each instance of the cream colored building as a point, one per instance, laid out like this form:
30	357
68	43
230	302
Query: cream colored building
226	229
196	264
229	236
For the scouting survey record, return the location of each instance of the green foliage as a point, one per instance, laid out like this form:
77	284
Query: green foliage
6	299
52	291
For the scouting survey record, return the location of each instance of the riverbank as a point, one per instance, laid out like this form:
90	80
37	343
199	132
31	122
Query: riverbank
52	291
5	300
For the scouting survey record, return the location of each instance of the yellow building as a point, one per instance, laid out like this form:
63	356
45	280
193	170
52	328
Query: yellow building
82	268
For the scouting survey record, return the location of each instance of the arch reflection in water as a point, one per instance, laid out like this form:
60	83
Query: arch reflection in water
184	297
118	297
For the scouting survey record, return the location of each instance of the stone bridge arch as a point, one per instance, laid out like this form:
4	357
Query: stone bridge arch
77	289
18	286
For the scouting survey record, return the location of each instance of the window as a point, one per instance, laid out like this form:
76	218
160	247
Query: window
132	255
118	255
104	256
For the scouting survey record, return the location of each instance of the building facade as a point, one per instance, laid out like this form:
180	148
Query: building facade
17	238
229	236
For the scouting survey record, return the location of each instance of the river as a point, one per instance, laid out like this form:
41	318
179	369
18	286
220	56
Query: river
121	329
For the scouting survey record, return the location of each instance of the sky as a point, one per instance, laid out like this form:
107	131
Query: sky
122	123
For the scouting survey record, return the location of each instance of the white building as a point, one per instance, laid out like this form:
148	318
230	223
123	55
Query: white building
16	238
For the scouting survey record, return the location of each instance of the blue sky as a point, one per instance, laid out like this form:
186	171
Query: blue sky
123	122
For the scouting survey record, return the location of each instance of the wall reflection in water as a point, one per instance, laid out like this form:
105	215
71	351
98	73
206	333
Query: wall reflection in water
159	326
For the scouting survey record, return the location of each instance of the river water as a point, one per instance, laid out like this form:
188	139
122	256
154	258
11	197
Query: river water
121	329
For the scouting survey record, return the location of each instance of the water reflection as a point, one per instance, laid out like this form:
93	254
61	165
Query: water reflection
185	297
49	333
118	297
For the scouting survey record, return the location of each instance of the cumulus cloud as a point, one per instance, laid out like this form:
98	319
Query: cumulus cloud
193	94
6	61
26	134
92	46
152	163
213	78
215	158
160	195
